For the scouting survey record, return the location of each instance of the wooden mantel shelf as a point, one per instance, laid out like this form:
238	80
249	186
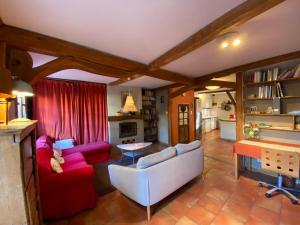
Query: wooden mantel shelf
125	117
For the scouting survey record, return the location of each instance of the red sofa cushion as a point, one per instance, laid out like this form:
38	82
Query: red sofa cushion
43	160
87	149
67	193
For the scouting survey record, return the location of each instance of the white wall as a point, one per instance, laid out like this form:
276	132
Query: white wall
114	98
220	113
163	121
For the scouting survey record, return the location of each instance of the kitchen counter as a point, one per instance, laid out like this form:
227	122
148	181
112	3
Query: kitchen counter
228	129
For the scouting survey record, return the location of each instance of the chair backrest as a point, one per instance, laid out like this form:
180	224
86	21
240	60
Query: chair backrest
281	162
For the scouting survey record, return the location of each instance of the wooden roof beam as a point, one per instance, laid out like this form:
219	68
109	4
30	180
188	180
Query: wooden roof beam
236	16
202	85
30	41
249	66
63	63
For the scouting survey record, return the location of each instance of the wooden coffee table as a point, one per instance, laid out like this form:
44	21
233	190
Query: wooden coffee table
133	149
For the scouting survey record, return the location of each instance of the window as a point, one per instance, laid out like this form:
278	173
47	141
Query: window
21	107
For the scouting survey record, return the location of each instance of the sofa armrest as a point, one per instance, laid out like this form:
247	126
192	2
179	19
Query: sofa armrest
131	182
67	178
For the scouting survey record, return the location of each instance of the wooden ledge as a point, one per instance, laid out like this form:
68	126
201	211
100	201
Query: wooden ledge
125	117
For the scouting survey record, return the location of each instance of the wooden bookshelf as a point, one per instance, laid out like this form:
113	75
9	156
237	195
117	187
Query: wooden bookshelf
149	115
288	88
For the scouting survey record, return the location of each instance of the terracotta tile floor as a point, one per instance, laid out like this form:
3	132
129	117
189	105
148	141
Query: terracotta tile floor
214	199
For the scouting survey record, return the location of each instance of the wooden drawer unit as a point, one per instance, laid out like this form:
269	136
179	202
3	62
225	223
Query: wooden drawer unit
19	194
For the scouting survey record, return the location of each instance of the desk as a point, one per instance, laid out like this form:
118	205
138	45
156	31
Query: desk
253	149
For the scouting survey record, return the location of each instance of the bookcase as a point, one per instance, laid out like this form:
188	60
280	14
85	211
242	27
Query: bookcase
150	115
272	98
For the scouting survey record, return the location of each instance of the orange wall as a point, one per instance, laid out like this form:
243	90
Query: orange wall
173	114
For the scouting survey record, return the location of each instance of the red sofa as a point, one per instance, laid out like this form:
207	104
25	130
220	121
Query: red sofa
67	193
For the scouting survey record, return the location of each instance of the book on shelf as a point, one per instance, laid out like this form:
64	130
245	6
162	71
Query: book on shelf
279	90
263	75
266	92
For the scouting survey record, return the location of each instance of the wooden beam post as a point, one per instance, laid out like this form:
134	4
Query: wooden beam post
239	118
231	98
5	75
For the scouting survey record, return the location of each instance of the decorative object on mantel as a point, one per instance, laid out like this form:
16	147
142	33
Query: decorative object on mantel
6	100
128	105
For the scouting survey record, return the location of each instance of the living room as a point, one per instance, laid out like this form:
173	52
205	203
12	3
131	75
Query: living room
149	112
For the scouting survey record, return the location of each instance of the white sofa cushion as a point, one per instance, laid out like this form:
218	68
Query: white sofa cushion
155	158
183	148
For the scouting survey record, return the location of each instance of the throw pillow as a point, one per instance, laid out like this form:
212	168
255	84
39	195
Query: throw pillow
156	158
58	158
183	148
55	165
64	144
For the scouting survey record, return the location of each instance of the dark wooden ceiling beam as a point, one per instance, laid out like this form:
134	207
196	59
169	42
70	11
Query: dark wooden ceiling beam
236	16
59	64
31	41
222	84
249	66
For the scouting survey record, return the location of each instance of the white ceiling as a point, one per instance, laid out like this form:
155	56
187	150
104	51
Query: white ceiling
272	33
137	29
142	30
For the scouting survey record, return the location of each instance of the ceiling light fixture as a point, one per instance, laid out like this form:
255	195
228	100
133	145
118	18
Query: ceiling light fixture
230	39
212	87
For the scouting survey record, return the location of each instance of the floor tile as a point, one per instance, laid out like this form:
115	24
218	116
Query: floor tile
211	204
226	219
185	221
200	215
264	215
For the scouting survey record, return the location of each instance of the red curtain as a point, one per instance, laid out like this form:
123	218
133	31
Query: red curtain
71	110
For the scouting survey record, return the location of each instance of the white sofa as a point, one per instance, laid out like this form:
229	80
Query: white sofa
150	185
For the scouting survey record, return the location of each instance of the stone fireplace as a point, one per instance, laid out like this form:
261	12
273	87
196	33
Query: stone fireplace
122	130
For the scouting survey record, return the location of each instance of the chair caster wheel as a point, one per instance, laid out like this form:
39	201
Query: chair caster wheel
295	202
268	195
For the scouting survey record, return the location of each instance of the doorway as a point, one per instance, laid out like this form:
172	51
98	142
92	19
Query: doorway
183	123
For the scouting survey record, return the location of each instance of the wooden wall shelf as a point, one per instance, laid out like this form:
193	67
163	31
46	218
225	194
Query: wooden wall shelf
125	117
285	97
273	81
279	129
264	114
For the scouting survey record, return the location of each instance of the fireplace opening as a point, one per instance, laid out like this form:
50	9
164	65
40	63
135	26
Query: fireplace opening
127	129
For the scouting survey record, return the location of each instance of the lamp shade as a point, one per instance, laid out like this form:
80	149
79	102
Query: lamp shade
22	89
129	105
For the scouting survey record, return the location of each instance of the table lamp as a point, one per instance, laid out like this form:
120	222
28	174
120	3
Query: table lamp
21	89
